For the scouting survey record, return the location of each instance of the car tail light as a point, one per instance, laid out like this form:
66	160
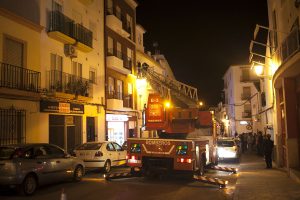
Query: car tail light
98	154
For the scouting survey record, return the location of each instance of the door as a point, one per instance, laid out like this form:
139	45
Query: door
112	154
90	129
59	163
121	160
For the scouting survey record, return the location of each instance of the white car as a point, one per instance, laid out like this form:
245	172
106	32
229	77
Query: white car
102	155
227	149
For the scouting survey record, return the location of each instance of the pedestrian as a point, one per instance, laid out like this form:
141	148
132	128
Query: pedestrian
249	141
260	143
268	148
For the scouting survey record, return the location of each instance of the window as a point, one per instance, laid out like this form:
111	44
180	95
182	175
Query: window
109	6
77	69
110	147
56	62
110	46
246	74
111	87
117	147
129	24
53	151
130	88
129	58
57	6
118	12
92	75
119	89
13	52
119	50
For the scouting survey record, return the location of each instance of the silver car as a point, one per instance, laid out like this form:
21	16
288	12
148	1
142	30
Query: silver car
26	166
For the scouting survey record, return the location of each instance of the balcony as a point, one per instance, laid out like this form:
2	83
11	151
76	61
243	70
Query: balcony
246	114
114	100
68	86
114	60
115	23
61	28
245	96
84	38
19	78
249	78
288	47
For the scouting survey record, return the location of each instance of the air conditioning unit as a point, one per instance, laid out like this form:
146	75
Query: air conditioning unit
70	51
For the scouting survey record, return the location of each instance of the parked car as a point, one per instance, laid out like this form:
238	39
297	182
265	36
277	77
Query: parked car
101	155
27	166
227	149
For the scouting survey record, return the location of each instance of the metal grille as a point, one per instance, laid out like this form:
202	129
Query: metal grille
12	126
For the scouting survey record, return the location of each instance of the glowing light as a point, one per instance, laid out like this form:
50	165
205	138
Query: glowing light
273	67
141	85
167	104
243	122
201	103
259	70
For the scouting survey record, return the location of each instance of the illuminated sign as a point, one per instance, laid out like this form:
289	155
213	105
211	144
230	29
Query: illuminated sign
116	118
60	107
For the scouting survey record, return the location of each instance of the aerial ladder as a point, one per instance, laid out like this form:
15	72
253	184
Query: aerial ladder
180	93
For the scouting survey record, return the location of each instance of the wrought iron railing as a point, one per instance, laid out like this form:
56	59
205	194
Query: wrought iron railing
68	83
245	96
114	95
12	126
19	78
83	35
288	47
61	23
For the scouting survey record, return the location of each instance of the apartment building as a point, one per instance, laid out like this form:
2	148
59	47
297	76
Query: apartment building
282	76
120	59
62	42
241	99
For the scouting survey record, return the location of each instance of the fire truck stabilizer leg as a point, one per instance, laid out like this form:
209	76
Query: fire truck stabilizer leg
225	169
215	181
117	175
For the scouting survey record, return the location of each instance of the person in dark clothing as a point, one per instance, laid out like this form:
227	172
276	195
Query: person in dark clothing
260	144
268	148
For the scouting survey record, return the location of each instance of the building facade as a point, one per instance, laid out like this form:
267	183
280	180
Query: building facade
241	100
281	74
62	41
120	56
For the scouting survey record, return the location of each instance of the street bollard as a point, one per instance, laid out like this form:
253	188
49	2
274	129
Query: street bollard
63	195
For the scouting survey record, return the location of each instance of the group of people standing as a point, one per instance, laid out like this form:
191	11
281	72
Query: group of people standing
259	142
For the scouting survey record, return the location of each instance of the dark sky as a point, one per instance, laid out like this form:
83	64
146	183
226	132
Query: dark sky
200	39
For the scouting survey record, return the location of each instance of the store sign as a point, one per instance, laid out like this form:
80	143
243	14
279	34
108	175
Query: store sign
59	107
116	118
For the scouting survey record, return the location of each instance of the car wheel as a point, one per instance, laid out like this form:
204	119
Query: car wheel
78	173
29	185
107	166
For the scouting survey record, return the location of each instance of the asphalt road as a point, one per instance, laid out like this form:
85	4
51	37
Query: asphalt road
94	186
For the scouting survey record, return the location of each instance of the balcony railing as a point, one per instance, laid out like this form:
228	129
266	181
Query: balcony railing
288	47
83	35
127	102
61	23
246	114
19	78
114	95
68	83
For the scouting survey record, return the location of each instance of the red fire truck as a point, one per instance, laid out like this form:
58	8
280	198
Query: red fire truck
172	151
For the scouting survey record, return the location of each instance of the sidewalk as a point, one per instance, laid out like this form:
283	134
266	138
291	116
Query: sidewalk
257	183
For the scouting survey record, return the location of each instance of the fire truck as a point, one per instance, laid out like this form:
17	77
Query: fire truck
186	135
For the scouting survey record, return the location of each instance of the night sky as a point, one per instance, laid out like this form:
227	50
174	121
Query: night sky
201	39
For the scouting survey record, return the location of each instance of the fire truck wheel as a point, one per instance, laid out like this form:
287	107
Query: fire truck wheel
107	166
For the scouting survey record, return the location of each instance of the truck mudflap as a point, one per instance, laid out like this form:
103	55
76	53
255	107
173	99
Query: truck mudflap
215	181
225	169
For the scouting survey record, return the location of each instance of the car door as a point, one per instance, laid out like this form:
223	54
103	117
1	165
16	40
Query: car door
112	154
121	153
62	164
44	165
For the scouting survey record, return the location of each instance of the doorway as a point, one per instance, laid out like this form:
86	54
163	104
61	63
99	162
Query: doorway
90	129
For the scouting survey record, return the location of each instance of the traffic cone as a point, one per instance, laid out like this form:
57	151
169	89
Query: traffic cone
63	195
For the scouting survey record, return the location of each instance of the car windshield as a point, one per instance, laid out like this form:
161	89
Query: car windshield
6	152
89	146
225	143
